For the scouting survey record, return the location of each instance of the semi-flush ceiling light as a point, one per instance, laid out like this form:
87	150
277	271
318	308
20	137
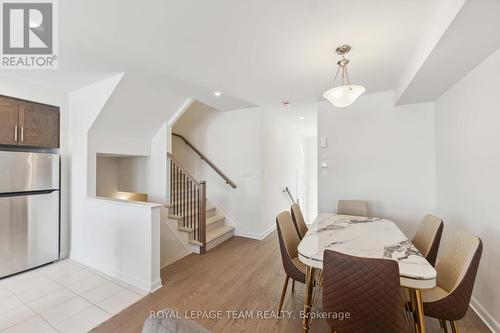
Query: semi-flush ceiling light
345	94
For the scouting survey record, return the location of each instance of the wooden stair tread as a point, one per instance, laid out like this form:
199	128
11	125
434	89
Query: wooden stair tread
210	220
216	233
213	235
214	219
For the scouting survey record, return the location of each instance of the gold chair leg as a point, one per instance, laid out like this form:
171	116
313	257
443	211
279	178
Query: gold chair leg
454	327
420	311
443	325
308	298
283	292
293	285
413	309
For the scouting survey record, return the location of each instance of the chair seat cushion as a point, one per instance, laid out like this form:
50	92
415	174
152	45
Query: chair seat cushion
433	295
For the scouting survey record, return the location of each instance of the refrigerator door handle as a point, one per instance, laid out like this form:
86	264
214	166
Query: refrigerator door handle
26	193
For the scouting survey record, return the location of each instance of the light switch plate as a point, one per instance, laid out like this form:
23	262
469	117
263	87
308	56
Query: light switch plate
323	142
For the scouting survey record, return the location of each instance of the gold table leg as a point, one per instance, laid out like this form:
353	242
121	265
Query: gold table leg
420	311
308	297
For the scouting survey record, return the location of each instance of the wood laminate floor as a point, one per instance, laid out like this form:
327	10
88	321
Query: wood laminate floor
241	274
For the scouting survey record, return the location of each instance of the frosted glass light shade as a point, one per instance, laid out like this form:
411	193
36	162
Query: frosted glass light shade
344	95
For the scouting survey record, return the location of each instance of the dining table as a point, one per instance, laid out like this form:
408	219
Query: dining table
367	237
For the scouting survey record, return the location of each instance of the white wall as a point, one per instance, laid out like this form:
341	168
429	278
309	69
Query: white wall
379	153
118	238
134	122
173	244
232	141
37	93
310	200
260	149
468	171
99	143
285	158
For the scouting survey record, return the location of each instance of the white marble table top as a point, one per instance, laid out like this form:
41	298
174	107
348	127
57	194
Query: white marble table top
369	238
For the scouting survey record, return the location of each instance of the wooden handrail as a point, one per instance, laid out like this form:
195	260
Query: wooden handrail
287	190
204	158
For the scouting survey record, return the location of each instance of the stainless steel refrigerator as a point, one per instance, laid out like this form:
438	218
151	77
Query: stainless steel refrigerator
29	210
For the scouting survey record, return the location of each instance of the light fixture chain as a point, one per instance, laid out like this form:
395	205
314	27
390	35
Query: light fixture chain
343	75
336	75
347	76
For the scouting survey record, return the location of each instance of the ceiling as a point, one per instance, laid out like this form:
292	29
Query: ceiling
259	52
472	35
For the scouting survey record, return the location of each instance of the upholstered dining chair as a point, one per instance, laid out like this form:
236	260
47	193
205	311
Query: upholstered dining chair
298	220
428	237
368	289
352	207
456	273
289	241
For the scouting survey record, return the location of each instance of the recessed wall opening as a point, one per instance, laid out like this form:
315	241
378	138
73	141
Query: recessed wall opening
121	177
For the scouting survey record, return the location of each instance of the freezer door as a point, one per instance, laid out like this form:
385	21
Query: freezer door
29	231
21	171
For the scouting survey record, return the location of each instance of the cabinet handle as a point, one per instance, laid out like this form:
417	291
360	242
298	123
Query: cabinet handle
15	133
22	133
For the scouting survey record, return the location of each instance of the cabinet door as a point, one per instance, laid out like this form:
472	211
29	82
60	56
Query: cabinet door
39	125
9	121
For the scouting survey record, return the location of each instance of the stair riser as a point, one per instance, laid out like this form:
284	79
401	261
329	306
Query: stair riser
219	240
215	225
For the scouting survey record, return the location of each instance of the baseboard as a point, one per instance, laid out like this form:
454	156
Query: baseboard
176	258
253	235
155	285
138	286
488	319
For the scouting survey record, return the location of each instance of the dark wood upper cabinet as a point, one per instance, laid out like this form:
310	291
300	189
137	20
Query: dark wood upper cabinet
39	125
9	121
28	124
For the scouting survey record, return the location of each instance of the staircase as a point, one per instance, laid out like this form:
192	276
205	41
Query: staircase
205	225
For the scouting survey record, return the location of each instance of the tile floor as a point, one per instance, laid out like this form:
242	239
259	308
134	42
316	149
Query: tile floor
61	297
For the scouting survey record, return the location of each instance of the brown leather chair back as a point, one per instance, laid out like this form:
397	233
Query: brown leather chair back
368	289
298	220
289	241
428	237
